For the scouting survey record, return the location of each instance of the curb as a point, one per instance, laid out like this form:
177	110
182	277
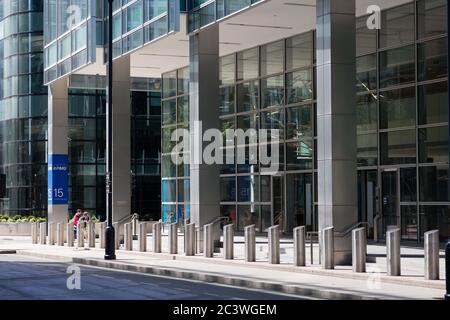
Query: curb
212	278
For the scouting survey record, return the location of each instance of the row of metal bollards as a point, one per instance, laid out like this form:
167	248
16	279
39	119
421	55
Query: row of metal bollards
60	234
200	240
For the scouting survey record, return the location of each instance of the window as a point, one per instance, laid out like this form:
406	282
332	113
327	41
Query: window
397	26
366	73
299	86
366	39
397	66
367	149
247	64
272	91
432	59
432	18
299	51
433	144
298	122
433	103
398	108
272	58
433	183
398	147
366	113
248	96
227	69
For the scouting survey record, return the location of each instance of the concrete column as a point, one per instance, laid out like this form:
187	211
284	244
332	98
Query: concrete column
336	121
121	162
203	106
58	113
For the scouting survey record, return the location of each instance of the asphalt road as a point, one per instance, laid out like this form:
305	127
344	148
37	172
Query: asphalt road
41	279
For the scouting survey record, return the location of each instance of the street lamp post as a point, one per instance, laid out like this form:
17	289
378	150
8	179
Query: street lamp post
110	249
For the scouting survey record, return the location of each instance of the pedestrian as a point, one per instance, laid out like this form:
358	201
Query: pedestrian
75	220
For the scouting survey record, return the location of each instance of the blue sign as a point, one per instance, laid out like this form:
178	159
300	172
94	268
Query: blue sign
58	192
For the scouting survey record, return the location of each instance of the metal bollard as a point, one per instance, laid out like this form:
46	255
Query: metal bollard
142	236
300	246
42	232
250	243
91	234
228	241
60	235
208	240
116	227
199	239
359	250
70	234
102	235
128	236
274	244
173	238
431	253
327	243
393	252
447	270
156	233
51	234
34	232
80	235
189	239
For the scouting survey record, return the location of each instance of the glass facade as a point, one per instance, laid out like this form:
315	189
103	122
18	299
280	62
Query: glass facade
87	145
72	32
204	12
23	108
138	22
175	184
402	114
402	124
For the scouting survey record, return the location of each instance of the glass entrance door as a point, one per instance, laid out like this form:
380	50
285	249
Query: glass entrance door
278	217
390	199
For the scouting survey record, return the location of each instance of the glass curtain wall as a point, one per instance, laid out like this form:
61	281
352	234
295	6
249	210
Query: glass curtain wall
402	119
23	108
175	188
87	145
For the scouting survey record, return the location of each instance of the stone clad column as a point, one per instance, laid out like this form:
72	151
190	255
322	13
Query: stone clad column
336	121
204	107
58	113
121	145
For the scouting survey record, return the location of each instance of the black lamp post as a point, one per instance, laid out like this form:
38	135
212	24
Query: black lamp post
110	249
447	248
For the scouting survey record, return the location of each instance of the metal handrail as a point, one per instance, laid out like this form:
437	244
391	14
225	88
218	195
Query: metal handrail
349	230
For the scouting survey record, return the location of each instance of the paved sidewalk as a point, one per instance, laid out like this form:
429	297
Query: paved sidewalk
311	280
